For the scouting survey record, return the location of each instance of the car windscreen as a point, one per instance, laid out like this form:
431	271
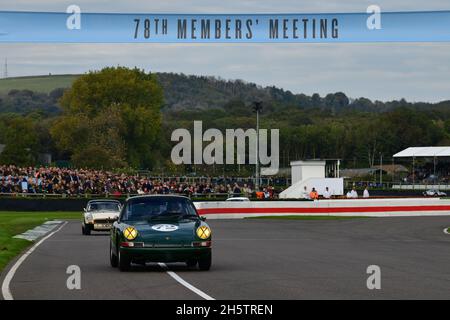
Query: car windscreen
104	206
155	208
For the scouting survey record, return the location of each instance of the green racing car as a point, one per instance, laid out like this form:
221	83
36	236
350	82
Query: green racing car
160	228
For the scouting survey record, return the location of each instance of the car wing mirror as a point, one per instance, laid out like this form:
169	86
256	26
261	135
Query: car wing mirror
202	218
84	209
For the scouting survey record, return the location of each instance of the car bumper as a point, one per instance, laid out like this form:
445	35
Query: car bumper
165	254
99	227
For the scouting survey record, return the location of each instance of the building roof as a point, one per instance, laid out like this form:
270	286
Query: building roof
392	168
351	173
423	152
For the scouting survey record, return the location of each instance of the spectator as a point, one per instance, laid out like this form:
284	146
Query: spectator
266	193
236	190
327	193
349	194
313	194
259	195
305	193
366	193
24	185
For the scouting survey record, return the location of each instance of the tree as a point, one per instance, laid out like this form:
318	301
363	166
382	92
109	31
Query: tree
115	110
21	142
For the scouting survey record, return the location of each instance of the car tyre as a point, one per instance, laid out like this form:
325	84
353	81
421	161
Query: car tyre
124	262
192	263
86	230
204	264
113	257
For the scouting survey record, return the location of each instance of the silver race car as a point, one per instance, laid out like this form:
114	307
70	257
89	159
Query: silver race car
99	215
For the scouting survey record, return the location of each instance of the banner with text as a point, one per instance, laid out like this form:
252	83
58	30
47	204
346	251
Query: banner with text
74	26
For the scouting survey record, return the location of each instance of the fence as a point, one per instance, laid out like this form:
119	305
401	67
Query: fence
90	196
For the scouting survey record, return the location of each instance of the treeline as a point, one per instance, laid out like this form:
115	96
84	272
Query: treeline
356	137
124	118
26	102
188	92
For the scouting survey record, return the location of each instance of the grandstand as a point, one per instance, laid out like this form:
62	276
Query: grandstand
430	168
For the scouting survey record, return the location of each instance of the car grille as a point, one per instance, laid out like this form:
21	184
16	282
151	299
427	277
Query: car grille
104	220
171	245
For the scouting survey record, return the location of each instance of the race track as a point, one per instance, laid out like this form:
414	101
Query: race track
258	259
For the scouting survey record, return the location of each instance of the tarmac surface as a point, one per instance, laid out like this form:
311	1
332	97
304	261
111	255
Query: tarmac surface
257	259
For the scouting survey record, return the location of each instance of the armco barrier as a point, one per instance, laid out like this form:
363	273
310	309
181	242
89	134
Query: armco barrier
227	209
28	204
344	207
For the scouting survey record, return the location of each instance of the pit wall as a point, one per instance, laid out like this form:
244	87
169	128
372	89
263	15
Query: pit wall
346	207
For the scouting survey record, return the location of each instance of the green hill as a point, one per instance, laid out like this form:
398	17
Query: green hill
181	92
42	84
194	93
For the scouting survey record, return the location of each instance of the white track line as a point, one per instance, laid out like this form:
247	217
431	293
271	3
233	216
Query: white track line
6	292
185	283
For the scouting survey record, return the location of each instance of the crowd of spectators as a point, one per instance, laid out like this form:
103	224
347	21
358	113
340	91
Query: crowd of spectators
74	182
428	174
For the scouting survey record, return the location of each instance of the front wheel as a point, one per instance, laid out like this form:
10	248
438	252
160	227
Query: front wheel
85	230
192	263
204	263
124	261
113	257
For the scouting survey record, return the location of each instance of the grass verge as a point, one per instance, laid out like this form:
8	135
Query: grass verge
14	223
307	217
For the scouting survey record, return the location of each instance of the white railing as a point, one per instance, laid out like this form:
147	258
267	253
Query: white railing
421	187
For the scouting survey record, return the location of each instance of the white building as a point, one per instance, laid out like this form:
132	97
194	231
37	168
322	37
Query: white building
314	174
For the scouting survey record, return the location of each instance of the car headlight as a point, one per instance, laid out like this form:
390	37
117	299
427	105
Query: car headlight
89	218
130	233
203	232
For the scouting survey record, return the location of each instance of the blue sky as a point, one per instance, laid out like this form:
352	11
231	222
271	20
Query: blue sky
417	72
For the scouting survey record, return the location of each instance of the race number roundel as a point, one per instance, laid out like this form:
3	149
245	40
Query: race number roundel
164	227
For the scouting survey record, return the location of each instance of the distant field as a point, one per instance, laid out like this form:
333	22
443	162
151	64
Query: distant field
43	84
